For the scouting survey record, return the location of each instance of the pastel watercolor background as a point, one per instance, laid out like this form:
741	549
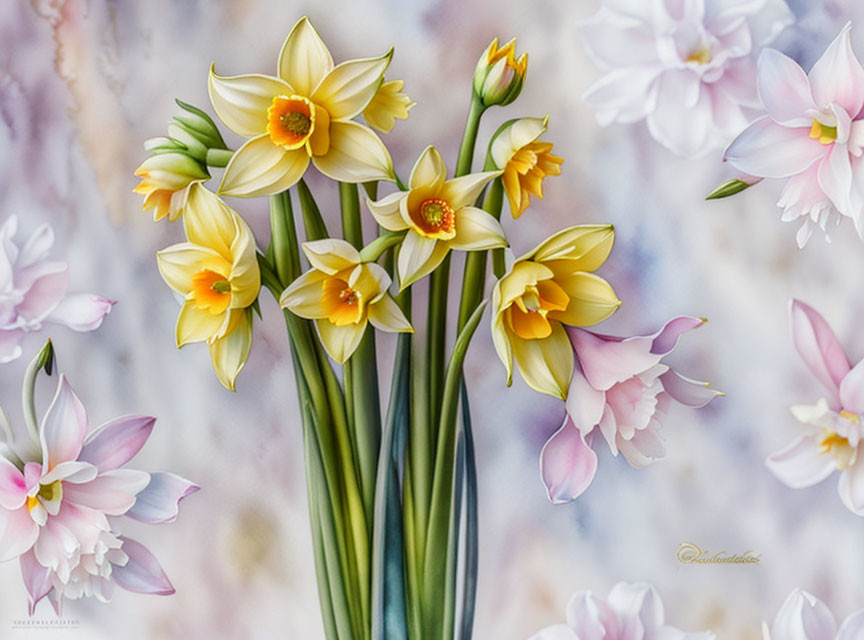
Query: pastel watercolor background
83	84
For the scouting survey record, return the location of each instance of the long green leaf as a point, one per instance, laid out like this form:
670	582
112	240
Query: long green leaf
472	542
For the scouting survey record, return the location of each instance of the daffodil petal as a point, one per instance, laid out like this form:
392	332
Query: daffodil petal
350	86
197	325
229	353
589	245
386	315
208	221
340	342
245	272
180	262
477	230
303	296
523	274
260	168
304	59
241	102
388	104
592	299
502	343
462	192
546	364
356	154
371	280
428	170
331	255
521	132
414	253
386	211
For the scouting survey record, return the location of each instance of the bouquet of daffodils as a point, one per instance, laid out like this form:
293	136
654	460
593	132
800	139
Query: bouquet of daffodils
392	491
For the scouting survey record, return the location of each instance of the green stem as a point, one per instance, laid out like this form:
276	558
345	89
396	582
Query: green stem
218	157
286	257
349	202
372	251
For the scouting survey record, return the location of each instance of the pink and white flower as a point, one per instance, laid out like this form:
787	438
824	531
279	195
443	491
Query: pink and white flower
803	616
833	435
687	68
631	612
63	495
812	135
33	291
619	392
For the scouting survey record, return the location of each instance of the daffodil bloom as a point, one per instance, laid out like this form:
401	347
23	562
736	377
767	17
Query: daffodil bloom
389	103
524	160
165	178
303	114
217	273
547	288
499	75
343	294
439	216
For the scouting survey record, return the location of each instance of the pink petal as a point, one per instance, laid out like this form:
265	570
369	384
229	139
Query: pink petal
818	346
567	464
160	502
666	339
584	402
591	618
81	311
10	345
612	42
13	488
852	389
37	246
770	150
623	95
851	487
784	89
45	293
18	533
116	442
36	579
682	120
801	463
113	492
70	472
638	601
803	616
686	391
835	178
609	430
606	361
55	547
142	573
838	77
555	632
852	627
63	427
645	447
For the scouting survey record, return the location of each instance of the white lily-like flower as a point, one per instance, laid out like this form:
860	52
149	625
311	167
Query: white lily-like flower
304	114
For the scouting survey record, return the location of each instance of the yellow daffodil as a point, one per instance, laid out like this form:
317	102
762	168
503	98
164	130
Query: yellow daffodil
164	181
439	216
498	76
217	273
547	288
343	294
524	160
303	114
389	103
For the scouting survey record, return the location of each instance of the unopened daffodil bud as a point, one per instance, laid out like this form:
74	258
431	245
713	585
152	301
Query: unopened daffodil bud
547	288
196	124
524	159
343	294
499	75
389	103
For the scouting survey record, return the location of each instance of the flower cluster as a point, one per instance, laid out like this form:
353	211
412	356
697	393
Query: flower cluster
803	616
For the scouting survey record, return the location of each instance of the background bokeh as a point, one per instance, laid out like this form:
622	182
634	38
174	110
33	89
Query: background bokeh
84	83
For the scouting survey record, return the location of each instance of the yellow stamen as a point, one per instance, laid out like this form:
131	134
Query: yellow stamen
342	304
47	493
211	291
436	218
823	133
851	417
701	55
832	440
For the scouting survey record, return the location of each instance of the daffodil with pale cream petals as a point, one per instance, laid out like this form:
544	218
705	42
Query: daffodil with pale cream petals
305	114
165	180
438	215
390	102
343	294
217	273
525	161
548	288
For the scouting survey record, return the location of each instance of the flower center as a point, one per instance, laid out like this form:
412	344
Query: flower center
47	493
700	55
838	446
290	121
211	291
529	314
436	219
342	304
823	133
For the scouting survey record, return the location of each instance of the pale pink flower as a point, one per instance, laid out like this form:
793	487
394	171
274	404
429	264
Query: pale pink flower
619	392
33	291
631	612
687	68
63	496
813	135
805	617
832	436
